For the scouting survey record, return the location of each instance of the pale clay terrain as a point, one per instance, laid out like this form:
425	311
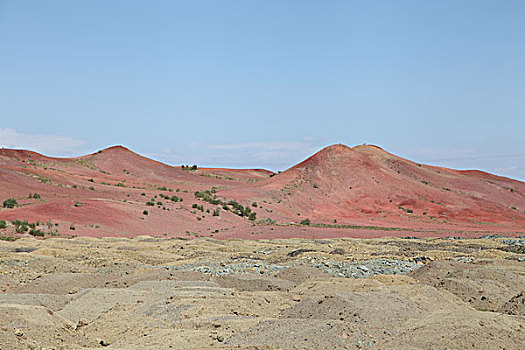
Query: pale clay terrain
151	293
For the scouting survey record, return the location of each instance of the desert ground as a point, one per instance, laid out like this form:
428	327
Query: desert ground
337	293
354	248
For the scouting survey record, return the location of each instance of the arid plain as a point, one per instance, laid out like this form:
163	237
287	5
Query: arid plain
354	248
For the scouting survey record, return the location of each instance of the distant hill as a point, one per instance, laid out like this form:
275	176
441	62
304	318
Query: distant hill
340	190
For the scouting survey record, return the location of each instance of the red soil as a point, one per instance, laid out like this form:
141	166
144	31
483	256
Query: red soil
360	186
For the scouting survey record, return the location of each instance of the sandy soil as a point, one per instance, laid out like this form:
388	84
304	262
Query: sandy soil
337	293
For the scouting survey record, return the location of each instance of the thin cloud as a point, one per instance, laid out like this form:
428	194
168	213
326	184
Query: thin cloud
48	144
261	145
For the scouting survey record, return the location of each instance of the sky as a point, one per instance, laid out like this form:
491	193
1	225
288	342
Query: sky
266	83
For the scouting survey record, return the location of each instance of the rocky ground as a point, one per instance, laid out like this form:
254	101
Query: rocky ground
341	293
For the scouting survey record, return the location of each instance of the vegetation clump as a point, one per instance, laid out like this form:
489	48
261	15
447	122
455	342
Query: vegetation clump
20	226
305	222
189	168
199	207
233	206
36	232
10	203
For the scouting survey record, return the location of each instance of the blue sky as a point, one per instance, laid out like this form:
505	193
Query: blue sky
266	83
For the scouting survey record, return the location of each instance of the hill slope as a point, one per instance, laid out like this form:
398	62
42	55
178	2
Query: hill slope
118	192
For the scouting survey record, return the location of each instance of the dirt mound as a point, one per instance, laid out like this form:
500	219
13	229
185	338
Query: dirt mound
301	274
484	286
515	306
7	283
64	283
24	326
254	283
465	330
161	293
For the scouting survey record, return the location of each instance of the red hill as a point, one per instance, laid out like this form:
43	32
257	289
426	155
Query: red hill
340	190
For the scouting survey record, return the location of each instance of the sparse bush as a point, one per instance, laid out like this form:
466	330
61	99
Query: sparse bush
142	194
216	212
3	224
254	204
150	203
305	222
72	227
189	168
78	204
10	203
20	226
36	233
196	206
91	188
91	180
267	221
145	212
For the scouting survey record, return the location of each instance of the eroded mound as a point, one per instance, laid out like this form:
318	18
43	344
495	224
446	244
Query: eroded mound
147	293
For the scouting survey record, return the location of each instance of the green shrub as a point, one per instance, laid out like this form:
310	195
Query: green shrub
145	212
254	204
189	168
10	203
78	204
20	226
3	224
150	203
305	222
91	188
36	233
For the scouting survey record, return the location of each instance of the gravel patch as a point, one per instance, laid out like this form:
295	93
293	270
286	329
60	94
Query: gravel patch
361	269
